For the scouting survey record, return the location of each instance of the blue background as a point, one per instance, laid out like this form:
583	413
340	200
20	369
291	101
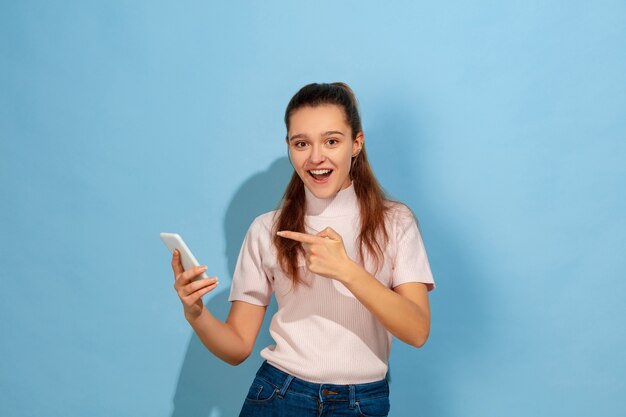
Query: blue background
502	124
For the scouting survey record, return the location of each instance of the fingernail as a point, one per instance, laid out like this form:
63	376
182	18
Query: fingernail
279	233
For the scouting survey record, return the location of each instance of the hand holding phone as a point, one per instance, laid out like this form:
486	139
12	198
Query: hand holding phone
189	284
173	241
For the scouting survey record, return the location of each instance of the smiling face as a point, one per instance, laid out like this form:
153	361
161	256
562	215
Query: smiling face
321	148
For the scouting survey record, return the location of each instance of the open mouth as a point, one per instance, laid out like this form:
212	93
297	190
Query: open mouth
320	174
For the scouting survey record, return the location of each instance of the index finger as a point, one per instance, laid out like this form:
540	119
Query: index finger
299	237
177	266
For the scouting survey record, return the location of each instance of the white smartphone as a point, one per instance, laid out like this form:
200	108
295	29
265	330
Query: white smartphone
174	241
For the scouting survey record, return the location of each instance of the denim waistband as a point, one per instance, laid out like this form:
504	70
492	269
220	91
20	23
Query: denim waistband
325	392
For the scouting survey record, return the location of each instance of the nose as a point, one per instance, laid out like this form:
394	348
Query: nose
317	155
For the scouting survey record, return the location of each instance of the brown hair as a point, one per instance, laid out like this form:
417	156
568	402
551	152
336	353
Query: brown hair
373	234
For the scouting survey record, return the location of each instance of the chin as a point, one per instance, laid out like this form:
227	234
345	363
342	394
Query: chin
323	191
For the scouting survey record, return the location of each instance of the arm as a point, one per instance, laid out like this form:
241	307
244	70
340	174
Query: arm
404	311
231	341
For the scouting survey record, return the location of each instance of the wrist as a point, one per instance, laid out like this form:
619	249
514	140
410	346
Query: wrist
192	316
351	273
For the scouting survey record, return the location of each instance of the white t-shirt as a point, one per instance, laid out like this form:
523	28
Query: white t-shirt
323	334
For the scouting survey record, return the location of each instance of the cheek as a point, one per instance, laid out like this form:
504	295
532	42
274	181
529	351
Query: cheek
297	160
345	160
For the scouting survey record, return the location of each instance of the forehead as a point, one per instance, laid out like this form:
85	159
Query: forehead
317	119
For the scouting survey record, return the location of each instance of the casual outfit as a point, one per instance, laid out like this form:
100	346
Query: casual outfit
323	334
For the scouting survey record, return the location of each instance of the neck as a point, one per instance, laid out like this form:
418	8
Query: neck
339	204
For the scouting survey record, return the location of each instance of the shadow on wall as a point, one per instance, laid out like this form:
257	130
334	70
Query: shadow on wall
207	386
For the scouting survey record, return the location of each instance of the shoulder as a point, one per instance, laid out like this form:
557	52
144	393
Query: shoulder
401	222
399	214
264	223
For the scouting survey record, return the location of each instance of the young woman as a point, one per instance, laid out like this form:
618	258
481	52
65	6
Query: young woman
347	267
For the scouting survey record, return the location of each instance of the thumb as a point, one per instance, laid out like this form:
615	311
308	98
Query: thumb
330	233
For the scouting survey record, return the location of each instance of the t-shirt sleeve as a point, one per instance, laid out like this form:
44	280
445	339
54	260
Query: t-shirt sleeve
410	263
251	282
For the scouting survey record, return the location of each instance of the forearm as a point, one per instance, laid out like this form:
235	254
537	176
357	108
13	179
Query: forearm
219	338
402	317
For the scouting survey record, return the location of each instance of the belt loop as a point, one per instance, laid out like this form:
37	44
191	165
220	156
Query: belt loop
285	386
352	397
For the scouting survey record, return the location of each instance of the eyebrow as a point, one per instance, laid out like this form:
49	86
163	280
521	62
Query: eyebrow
305	136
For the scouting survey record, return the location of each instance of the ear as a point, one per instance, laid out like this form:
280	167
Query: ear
357	144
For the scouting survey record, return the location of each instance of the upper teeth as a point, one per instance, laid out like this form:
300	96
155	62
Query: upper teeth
320	171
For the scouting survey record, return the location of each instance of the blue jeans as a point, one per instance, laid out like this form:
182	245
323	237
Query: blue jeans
274	393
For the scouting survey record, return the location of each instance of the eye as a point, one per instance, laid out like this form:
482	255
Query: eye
300	144
332	141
